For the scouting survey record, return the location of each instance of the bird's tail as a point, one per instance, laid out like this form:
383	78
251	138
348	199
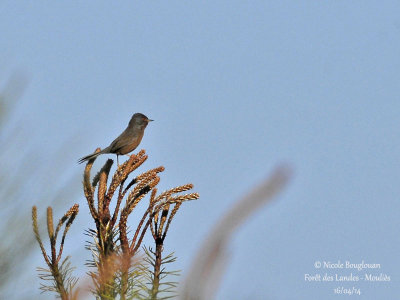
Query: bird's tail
90	156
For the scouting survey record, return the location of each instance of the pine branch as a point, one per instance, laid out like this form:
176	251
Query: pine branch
60	275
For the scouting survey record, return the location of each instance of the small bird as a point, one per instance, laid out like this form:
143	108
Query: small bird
127	141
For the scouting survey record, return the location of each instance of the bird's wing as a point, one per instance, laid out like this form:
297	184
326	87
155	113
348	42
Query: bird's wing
119	142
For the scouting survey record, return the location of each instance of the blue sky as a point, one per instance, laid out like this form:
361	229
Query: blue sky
235	88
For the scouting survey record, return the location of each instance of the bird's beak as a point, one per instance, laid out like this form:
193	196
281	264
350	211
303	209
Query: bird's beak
149	120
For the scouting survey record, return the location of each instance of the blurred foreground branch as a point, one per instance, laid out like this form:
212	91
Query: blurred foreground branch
205	274
24	175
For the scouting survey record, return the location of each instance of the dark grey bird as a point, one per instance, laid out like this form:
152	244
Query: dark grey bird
127	141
